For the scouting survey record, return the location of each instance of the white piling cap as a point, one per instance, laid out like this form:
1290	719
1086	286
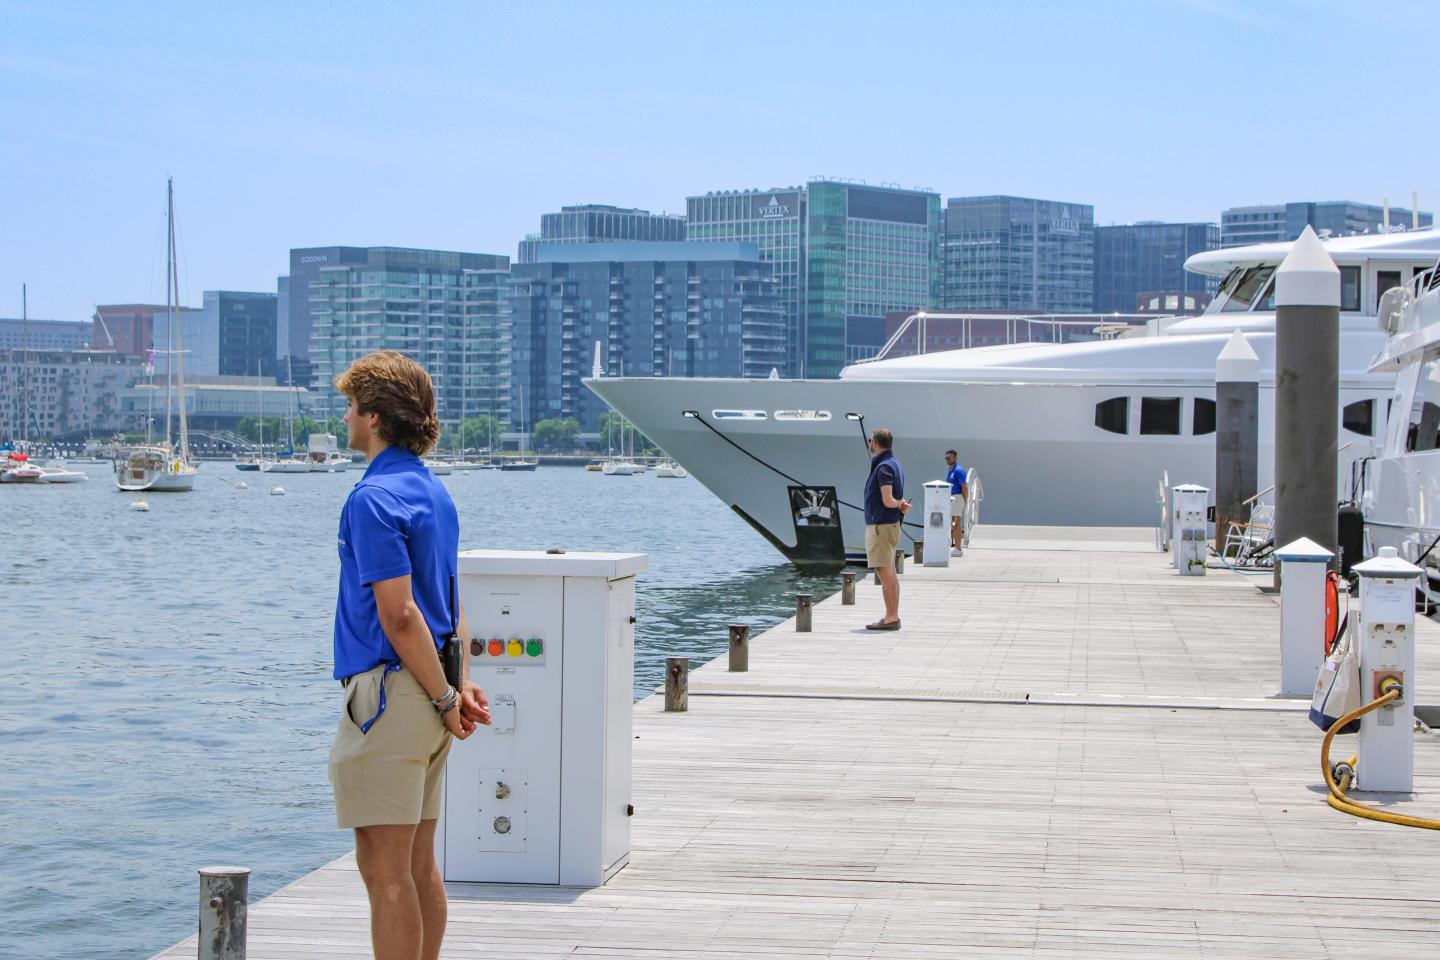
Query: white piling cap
1237	362
1305	550
597	370
1307	277
1388	565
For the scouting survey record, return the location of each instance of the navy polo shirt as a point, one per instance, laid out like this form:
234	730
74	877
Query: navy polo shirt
884	469
398	520
956	476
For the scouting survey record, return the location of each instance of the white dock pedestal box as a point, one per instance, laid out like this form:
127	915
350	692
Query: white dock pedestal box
937	523
1188	503
542	795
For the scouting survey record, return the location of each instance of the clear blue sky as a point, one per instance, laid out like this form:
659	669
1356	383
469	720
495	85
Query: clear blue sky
456	125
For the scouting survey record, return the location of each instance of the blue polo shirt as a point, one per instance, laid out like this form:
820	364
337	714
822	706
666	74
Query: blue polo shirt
398	520
956	476
884	469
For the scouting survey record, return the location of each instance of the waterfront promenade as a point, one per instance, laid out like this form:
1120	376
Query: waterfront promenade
1068	751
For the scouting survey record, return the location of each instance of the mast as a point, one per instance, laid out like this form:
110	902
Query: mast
175	315
169	313
25	366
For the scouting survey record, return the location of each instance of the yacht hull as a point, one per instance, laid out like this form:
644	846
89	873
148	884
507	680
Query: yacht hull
1043	458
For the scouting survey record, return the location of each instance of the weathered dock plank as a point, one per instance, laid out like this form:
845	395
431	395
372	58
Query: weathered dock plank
1068	752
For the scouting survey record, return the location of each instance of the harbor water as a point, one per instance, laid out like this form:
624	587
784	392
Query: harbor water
167	673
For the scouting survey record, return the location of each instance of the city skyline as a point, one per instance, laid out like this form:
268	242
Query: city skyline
458	127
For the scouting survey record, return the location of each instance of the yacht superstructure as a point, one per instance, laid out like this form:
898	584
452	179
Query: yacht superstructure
1065	433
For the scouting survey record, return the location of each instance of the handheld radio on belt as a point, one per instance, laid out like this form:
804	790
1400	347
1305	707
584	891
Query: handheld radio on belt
452	654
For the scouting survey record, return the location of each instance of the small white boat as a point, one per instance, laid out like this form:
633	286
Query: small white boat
154	469
18	468
669	468
290	465
56	473
323	454
440	468
620	468
519	464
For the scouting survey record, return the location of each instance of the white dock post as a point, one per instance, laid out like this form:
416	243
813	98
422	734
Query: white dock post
937	524
224	903
1302	615
1387	649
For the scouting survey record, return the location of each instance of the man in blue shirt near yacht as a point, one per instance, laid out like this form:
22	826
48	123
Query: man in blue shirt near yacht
399	540
959	493
884	510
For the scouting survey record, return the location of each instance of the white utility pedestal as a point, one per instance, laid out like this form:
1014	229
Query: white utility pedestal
937	523
1302	615
1387	649
542	795
1188	503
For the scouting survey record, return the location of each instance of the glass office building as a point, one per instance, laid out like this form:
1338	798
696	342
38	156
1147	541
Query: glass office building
1274	223
1148	258
448	310
1018	253
599	223
843	255
655	309
245	331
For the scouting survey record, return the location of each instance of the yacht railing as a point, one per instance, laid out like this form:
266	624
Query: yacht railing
987	329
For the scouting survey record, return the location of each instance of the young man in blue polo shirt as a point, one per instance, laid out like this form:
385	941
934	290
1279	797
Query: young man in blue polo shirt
399	545
959	493
884	510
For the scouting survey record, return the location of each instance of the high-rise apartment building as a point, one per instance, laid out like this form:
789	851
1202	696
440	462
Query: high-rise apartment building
1018	253
64	394
448	310
683	309
1148	258
600	223
843	254
1274	223
293	352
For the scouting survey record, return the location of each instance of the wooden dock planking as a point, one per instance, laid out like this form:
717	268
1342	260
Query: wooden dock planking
1069	751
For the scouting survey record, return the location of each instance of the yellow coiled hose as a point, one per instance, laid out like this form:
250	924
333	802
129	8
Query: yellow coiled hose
1391	691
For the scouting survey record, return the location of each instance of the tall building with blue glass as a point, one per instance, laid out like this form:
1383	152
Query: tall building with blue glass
448	310
600	223
844	254
1018	253
1278	222
1148	258
656	309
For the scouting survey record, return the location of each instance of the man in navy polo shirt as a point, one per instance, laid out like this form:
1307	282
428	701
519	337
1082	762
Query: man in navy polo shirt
884	510
399	542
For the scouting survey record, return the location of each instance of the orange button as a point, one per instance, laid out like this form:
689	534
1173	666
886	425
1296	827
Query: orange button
497	648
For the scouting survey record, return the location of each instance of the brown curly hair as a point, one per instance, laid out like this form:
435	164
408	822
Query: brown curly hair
397	388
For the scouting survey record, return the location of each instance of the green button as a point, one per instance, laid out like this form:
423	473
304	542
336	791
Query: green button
533	648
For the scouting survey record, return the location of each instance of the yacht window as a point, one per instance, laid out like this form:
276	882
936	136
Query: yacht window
1203	420
1113	415
1359	417
1349	288
1251	282
802	414
739	414
1385	280
1266	302
1424	426
1159	416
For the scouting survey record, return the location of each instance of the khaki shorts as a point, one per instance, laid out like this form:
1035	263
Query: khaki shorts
957	508
881	541
395	773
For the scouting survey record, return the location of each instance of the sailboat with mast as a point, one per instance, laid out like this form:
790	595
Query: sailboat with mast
289	462
163	467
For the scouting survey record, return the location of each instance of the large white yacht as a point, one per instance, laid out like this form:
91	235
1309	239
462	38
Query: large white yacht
1063	433
1401	486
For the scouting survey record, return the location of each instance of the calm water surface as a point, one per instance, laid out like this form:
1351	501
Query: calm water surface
166	683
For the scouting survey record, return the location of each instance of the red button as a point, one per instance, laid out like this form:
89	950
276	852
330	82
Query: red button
497	647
